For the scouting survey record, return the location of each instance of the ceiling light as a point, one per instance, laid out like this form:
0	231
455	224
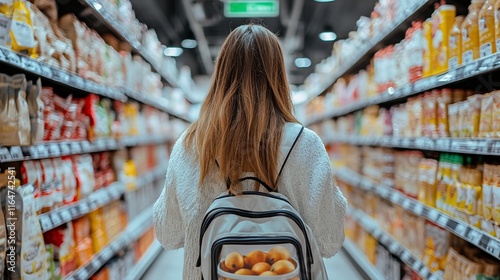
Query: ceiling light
302	62
324	1
189	43
328	36
173	51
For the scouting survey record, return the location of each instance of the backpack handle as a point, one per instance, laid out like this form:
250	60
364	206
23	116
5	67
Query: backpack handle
266	186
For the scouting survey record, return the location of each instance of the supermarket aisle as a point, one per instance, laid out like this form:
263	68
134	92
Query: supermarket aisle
168	265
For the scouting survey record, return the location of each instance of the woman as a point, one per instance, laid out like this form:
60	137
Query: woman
245	127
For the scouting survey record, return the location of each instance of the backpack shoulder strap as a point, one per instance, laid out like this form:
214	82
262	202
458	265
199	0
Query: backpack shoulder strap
288	155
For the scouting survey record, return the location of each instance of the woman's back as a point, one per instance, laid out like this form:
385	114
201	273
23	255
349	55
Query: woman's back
306	181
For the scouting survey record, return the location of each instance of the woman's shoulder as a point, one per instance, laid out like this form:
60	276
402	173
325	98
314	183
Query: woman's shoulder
307	137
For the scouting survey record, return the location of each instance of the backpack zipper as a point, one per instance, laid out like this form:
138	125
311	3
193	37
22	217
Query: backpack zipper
255	193
214	213
217	247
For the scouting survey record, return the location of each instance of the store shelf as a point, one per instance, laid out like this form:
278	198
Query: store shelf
64	148
361	261
145	262
96	200
462	229
158	103
57	75
476	68
73	211
363	56
396	248
134	230
452	145
120	31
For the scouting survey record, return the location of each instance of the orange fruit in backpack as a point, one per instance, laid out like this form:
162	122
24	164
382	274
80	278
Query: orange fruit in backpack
234	261
245	271
293	262
254	257
282	267
261	267
277	253
224	267
268	273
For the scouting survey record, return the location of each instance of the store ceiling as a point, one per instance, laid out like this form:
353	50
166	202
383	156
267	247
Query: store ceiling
205	22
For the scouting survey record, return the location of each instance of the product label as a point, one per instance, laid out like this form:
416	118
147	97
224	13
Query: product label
453	62
5	23
486	50
467	57
23	34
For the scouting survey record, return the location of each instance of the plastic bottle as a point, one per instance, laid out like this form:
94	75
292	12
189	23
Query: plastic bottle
470	32
427	30
455	42
442	22
487	41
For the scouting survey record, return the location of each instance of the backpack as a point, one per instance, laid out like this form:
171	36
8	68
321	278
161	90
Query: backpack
258	231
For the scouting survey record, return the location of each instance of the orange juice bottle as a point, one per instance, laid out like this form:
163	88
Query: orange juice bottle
470	32
455	42
427	30
487	41
442	22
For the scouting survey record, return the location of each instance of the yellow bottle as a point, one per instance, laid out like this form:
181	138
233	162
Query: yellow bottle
455	42
442	22
427	30
487	41
470	32
497	22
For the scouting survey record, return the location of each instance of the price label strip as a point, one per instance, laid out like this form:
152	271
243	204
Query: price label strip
5	154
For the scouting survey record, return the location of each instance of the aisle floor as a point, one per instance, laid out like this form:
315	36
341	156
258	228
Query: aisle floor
168	266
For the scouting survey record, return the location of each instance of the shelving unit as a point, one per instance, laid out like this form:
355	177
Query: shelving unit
396	248
451	145
142	266
477	67
96	200
64	148
370	47
120	31
475	236
134	230
360	260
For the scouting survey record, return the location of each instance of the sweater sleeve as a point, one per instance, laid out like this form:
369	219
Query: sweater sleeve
167	219
318	199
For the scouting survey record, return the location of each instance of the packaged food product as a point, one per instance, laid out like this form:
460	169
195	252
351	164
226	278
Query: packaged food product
455	42
15	127
64	247
82	166
486	115
443	100
488	180
470	32
21	31
36	107
495	115
474	191
5	21
497	22
487	42
69	181
496	194
442	22
473	115
428	49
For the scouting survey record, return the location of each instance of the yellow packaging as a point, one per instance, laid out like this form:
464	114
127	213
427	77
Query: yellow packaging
427	56
486	115
487	41
21	30
495	115
470	33
497	22
5	21
496	195
474	115
488	191
442	22
474	191
455	42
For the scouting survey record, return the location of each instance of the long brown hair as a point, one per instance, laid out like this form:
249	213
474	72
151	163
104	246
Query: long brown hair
248	103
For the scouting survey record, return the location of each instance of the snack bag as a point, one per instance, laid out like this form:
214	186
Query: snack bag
15	127
496	195
35	106
21	31
5	21
487	192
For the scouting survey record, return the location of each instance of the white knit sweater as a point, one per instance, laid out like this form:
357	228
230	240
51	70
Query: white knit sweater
306	181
